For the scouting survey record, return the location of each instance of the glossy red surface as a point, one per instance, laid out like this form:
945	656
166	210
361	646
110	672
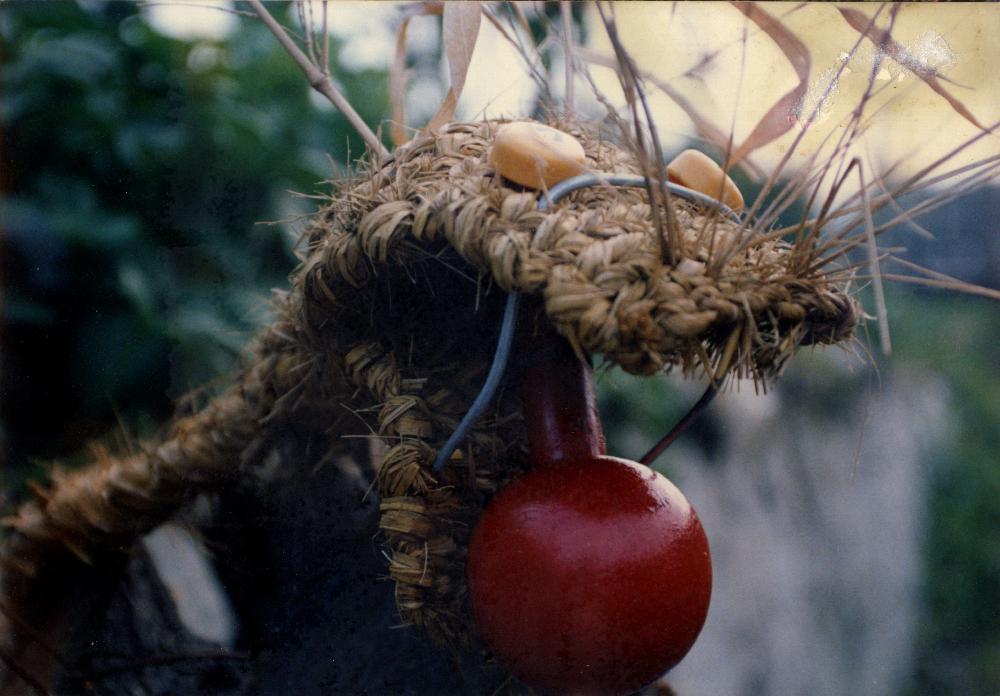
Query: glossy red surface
590	578
589	574
560	407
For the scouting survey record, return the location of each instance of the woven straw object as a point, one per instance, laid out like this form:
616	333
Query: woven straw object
389	327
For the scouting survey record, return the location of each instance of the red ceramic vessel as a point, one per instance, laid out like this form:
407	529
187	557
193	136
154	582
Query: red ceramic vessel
589	574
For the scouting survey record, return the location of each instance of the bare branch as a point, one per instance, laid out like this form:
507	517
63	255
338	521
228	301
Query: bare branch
306	22
326	39
569	56
318	81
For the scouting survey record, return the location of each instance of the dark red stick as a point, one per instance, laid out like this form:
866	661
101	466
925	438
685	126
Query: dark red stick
560	406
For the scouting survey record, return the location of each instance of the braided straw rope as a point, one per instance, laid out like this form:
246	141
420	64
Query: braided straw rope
389	328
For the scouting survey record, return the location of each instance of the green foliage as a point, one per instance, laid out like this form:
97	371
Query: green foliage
637	411
136	168
960	643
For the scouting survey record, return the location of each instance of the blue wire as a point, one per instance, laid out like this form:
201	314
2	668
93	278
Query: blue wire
492	381
509	322
560	190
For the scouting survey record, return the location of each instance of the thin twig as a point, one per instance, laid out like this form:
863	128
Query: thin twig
326	40
513	37
654	171
880	309
959	286
300	8
318	81
569	55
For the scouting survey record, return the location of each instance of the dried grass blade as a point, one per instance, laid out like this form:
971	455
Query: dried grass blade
880	308
398	79
779	119
842	242
703	126
776	172
883	40
936	201
653	166
460	31
944	280
954	285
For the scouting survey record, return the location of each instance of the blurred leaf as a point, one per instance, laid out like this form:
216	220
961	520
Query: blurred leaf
88	58
17	310
135	183
461	29
115	355
780	118
136	288
144	144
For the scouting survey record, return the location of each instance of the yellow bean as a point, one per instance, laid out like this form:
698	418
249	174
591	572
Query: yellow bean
535	155
699	172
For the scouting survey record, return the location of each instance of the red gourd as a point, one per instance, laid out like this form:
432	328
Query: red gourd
590	574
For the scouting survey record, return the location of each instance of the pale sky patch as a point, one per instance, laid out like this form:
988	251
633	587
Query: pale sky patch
192	19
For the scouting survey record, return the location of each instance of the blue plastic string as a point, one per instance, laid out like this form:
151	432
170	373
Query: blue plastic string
506	339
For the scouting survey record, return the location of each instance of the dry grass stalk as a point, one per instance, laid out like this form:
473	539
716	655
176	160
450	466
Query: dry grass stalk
319	77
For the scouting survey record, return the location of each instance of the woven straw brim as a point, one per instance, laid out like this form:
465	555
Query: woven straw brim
595	257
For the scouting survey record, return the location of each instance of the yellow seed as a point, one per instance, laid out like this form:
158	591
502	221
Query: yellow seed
536	156
699	172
